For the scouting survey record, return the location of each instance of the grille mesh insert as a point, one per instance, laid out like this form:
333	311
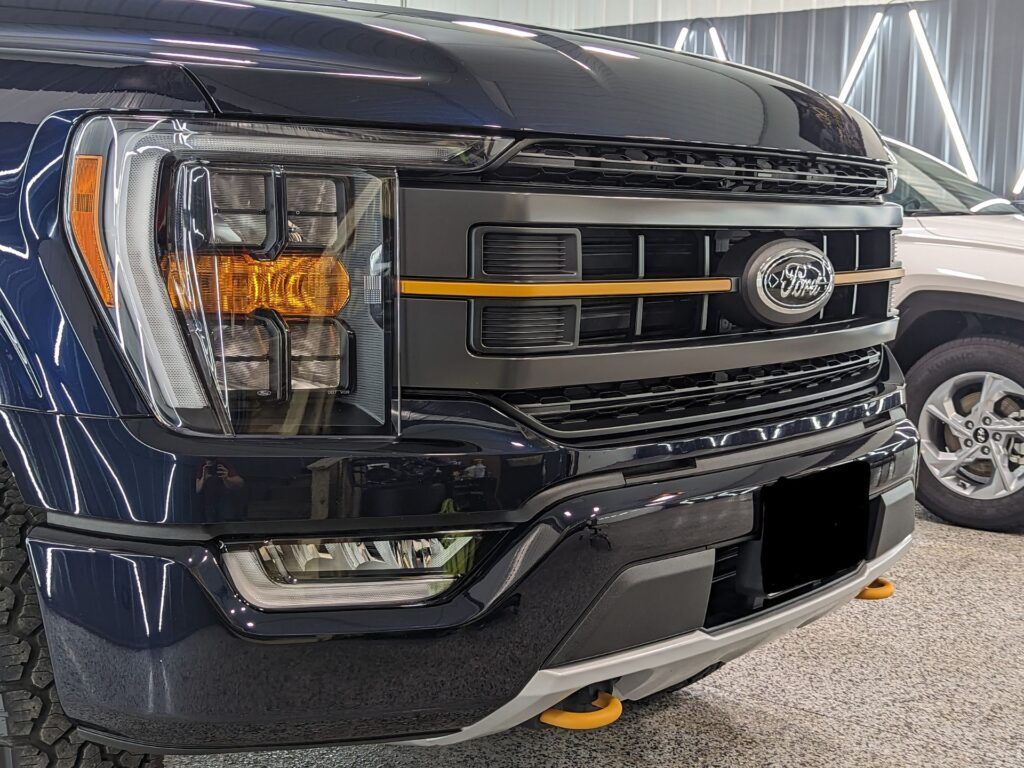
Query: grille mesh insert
525	327
595	409
693	169
510	254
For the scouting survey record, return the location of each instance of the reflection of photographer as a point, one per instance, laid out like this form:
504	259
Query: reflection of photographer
476	471
220	487
474	488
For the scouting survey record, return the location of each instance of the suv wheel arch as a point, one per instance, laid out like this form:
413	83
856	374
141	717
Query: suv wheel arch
929	319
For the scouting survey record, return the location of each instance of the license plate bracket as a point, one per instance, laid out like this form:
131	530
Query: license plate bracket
814	528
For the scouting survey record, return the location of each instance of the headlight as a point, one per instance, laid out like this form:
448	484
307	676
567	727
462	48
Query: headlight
320	573
246	269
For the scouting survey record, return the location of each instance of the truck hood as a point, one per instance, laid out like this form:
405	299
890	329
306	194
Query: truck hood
374	65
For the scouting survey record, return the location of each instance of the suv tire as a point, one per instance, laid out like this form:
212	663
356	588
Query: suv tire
34	732
997	356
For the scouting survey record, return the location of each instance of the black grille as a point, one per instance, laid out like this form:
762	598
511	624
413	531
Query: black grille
606	321
630	253
521	328
595	409
622	253
511	253
727	602
609	253
693	169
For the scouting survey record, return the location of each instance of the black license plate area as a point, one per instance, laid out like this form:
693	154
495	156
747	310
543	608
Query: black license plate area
814	528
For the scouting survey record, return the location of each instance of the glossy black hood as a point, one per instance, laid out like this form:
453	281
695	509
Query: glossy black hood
346	63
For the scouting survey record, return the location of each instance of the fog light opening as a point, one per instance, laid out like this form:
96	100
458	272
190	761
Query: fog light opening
353	572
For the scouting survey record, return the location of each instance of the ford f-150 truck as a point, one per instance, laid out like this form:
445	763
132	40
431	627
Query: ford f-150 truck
371	374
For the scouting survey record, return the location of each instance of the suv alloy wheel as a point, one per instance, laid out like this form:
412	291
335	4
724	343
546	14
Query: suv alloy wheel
968	401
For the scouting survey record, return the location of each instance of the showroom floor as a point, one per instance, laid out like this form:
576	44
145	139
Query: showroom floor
931	677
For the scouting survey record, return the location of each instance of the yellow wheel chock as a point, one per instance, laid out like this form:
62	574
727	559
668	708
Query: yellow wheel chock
609	710
879	589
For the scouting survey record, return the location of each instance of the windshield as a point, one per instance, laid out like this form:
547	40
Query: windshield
927	187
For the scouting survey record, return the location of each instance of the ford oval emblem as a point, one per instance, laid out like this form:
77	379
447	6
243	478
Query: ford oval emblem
788	281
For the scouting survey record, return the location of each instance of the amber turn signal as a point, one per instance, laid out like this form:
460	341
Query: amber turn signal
297	286
86	179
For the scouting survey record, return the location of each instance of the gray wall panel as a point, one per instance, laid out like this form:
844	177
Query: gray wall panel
979	46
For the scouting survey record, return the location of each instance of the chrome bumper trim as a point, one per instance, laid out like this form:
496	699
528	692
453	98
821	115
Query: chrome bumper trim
651	668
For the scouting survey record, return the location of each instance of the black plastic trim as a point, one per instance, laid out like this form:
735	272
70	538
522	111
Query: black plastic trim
437	220
163	532
645	603
435	354
917	305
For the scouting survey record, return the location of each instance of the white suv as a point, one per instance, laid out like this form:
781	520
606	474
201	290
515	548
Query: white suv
961	341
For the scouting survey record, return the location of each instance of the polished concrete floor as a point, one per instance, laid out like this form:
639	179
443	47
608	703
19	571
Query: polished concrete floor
931	677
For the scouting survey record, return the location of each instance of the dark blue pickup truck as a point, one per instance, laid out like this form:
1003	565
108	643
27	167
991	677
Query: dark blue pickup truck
369	374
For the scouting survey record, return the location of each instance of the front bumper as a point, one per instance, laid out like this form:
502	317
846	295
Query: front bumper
640	672
153	648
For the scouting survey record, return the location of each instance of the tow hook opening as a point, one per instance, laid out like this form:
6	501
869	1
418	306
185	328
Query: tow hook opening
589	708
879	589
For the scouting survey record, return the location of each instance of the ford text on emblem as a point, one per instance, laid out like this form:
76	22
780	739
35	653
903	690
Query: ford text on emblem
787	281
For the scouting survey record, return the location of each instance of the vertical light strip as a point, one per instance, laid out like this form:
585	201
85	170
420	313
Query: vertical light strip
1019	186
943	95
862	54
684	33
716	43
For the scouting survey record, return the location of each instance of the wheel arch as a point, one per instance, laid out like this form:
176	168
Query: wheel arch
929	319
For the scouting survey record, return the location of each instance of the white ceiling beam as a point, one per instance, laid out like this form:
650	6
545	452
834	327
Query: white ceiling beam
680	45
1019	186
862	54
589	14
955	131
716	44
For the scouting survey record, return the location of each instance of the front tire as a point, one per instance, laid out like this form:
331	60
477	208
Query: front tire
34	732
967	399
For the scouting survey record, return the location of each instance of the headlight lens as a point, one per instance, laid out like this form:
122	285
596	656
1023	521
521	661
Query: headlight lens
319	573
247	269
